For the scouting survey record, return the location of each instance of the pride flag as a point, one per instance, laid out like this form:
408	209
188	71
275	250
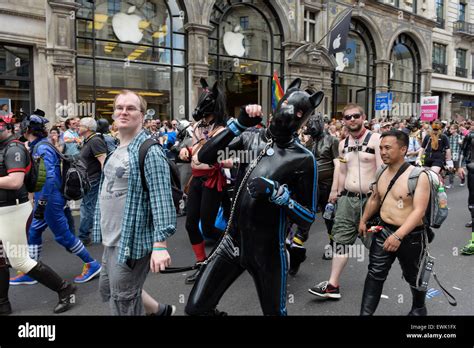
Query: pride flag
277	91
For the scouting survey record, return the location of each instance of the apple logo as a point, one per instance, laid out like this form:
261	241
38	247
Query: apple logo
233	43
337	42
126	26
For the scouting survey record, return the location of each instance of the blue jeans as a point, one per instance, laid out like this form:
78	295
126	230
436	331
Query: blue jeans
87	211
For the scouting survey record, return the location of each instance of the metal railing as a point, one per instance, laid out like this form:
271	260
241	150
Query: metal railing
463	27
461	72
439	22
440	68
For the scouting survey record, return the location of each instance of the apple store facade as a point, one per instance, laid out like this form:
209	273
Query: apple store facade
137	45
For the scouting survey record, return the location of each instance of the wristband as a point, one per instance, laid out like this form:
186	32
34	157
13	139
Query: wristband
234	127
395	235
159	248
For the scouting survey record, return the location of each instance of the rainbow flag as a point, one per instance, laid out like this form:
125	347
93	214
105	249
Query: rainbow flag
277	91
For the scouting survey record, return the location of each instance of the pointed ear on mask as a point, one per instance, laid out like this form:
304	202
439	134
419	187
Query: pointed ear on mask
215	89
203	82
295	84
316	99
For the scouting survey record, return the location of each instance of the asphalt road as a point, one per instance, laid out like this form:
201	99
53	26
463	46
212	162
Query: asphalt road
453	269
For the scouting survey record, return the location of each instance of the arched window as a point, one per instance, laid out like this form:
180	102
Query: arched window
244	50
404	79
132	44
355	74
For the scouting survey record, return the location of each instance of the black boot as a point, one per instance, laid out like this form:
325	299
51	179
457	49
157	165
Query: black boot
5	307
297	256
46	276
418	307
371	296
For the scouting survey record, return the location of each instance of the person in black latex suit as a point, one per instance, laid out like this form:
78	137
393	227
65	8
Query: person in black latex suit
282	187
326	150
467	151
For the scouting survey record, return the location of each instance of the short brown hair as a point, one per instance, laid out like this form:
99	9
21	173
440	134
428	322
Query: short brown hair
143	103
353	106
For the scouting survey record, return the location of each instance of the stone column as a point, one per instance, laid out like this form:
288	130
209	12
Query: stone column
445	108
382	73
425	80
198	49
60	55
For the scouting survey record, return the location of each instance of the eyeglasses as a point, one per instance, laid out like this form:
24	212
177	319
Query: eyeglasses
128	108
355	116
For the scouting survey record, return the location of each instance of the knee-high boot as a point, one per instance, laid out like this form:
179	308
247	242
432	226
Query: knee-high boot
418	307
371	296
5	307
46	276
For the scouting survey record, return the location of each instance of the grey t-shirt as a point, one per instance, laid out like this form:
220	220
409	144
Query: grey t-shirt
113	196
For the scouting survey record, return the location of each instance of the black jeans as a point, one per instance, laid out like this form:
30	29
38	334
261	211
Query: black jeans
203	204
409	255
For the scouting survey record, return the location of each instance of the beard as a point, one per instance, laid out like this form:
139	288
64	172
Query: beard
355	128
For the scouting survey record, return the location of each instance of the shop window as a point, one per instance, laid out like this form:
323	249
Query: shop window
16	74
149	59
244	60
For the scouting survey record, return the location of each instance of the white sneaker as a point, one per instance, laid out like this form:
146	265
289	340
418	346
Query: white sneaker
447	186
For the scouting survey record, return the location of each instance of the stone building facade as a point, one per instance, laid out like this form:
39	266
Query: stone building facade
72	52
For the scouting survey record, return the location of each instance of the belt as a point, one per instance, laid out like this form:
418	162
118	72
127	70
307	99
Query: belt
354	194
417	229
15	202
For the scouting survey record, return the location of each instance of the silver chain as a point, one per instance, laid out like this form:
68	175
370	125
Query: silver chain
239	190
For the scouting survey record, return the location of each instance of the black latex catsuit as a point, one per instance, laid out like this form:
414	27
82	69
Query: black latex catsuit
256	241
467	150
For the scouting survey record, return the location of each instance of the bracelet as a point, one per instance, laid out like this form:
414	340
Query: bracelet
399	239
159	248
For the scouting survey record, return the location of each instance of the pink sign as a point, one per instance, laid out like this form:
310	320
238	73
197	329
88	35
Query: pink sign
429	108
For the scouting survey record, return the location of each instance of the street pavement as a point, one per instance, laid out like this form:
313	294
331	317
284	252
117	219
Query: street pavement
453	270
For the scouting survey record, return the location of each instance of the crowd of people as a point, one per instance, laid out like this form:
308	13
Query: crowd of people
351	169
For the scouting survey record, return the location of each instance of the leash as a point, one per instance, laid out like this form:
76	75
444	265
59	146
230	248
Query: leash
198	265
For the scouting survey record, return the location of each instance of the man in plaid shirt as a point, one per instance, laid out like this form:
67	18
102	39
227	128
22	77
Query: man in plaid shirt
455	141
133	225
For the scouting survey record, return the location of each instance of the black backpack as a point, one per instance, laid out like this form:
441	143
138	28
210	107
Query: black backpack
177	193
75	181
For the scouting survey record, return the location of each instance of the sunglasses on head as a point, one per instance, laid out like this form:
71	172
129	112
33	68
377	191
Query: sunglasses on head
355	116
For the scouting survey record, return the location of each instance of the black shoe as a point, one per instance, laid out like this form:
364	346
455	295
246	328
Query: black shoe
86	241
215	313
5	308
297	257
67	298
418	312
469	224
167	312
192	278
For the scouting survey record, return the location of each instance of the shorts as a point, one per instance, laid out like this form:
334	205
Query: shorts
346	221
434	162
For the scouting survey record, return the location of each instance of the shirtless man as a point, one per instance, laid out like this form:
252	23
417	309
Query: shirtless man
359	158
402	215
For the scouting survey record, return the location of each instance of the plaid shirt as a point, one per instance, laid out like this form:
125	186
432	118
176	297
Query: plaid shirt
455	146
147	218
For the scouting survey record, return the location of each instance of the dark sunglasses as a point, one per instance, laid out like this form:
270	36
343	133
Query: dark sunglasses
355	116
